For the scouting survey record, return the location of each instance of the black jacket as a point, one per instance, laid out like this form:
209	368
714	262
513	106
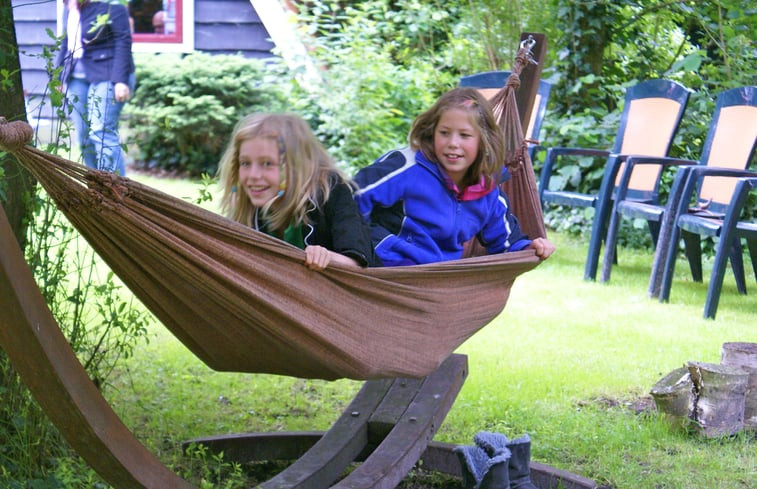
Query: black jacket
107	48
338	226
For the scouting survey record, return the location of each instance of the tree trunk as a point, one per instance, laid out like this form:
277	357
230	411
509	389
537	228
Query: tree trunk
719	402
744	356
16	184
674	398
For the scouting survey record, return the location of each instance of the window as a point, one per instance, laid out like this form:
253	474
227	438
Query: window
162	25
177	25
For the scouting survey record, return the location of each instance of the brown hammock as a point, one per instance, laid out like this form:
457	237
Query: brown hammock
242	301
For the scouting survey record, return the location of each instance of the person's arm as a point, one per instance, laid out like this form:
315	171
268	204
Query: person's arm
122	64
505	234
501	231
318	258
350	232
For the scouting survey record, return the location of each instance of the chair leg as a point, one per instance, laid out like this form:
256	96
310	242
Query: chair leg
693	244
752	247
716	280
667	264
737	264
611	255
654	230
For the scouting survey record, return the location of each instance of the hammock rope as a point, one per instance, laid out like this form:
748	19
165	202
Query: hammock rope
521	188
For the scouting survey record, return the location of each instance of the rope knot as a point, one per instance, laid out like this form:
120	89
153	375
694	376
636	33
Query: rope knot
14	135
513	81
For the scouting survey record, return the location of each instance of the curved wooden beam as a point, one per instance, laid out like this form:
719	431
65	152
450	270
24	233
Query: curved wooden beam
48	366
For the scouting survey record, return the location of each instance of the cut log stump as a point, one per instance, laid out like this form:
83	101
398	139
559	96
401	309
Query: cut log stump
674	397
719	398
744	356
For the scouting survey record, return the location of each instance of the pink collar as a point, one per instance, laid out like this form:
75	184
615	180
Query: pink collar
472	192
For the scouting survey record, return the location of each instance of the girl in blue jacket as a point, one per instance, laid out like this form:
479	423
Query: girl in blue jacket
426	201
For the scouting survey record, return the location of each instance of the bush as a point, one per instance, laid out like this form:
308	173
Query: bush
185	108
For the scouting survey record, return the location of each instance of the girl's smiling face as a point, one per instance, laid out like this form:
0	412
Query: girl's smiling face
260	169
456	143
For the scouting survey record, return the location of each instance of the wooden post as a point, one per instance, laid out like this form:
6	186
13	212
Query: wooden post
529	78
674	398
744	356
719	403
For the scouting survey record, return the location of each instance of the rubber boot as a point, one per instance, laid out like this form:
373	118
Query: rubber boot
520	463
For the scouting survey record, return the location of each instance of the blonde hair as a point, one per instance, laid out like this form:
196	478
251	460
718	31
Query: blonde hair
491	152
307	170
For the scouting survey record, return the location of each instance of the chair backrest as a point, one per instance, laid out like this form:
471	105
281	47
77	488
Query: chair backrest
730	143
490	82
651	116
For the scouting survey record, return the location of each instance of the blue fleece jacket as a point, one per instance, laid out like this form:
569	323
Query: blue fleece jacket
415	218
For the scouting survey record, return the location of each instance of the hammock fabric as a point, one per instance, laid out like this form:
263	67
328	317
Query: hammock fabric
243	301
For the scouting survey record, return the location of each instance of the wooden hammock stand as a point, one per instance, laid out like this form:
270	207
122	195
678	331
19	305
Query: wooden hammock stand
389	426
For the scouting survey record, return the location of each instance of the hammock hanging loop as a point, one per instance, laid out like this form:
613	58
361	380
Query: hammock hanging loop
14	135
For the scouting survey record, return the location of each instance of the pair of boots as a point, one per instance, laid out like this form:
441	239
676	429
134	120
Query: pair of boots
494	462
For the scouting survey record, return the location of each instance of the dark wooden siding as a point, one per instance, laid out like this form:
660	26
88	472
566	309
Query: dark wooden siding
230	26
33	19
221	27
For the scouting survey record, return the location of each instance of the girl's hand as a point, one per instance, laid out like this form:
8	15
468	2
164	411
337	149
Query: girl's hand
543	247
317	257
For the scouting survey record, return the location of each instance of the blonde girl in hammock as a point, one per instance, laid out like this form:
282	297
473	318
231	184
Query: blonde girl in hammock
426	201
277	178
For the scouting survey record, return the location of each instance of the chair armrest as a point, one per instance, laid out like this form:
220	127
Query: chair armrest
716	171
688	176
561	151
551	158
633	160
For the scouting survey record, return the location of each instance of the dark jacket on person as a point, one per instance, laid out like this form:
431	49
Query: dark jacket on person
107	47
338	226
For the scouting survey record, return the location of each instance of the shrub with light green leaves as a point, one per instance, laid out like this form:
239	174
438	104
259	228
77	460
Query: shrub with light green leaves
185	107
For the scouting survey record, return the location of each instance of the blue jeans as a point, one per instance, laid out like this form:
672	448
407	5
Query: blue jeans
95	114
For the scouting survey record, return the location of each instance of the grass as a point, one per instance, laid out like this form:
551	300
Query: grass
568	361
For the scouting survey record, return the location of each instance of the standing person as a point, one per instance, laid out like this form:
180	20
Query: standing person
98	77
277	177
426	201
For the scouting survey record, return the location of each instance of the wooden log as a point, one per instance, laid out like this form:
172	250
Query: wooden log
719	398
674	397
744	356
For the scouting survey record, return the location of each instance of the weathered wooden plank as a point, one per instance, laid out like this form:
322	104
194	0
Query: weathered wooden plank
223	11
231	37
440	457
398	453
529	77
256	446
328	458
35	33
33	10
394	405
49	368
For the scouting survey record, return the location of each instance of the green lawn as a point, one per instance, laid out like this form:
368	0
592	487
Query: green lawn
568	361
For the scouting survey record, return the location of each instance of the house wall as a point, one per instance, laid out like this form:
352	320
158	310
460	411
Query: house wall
33	20
220	27
229	27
